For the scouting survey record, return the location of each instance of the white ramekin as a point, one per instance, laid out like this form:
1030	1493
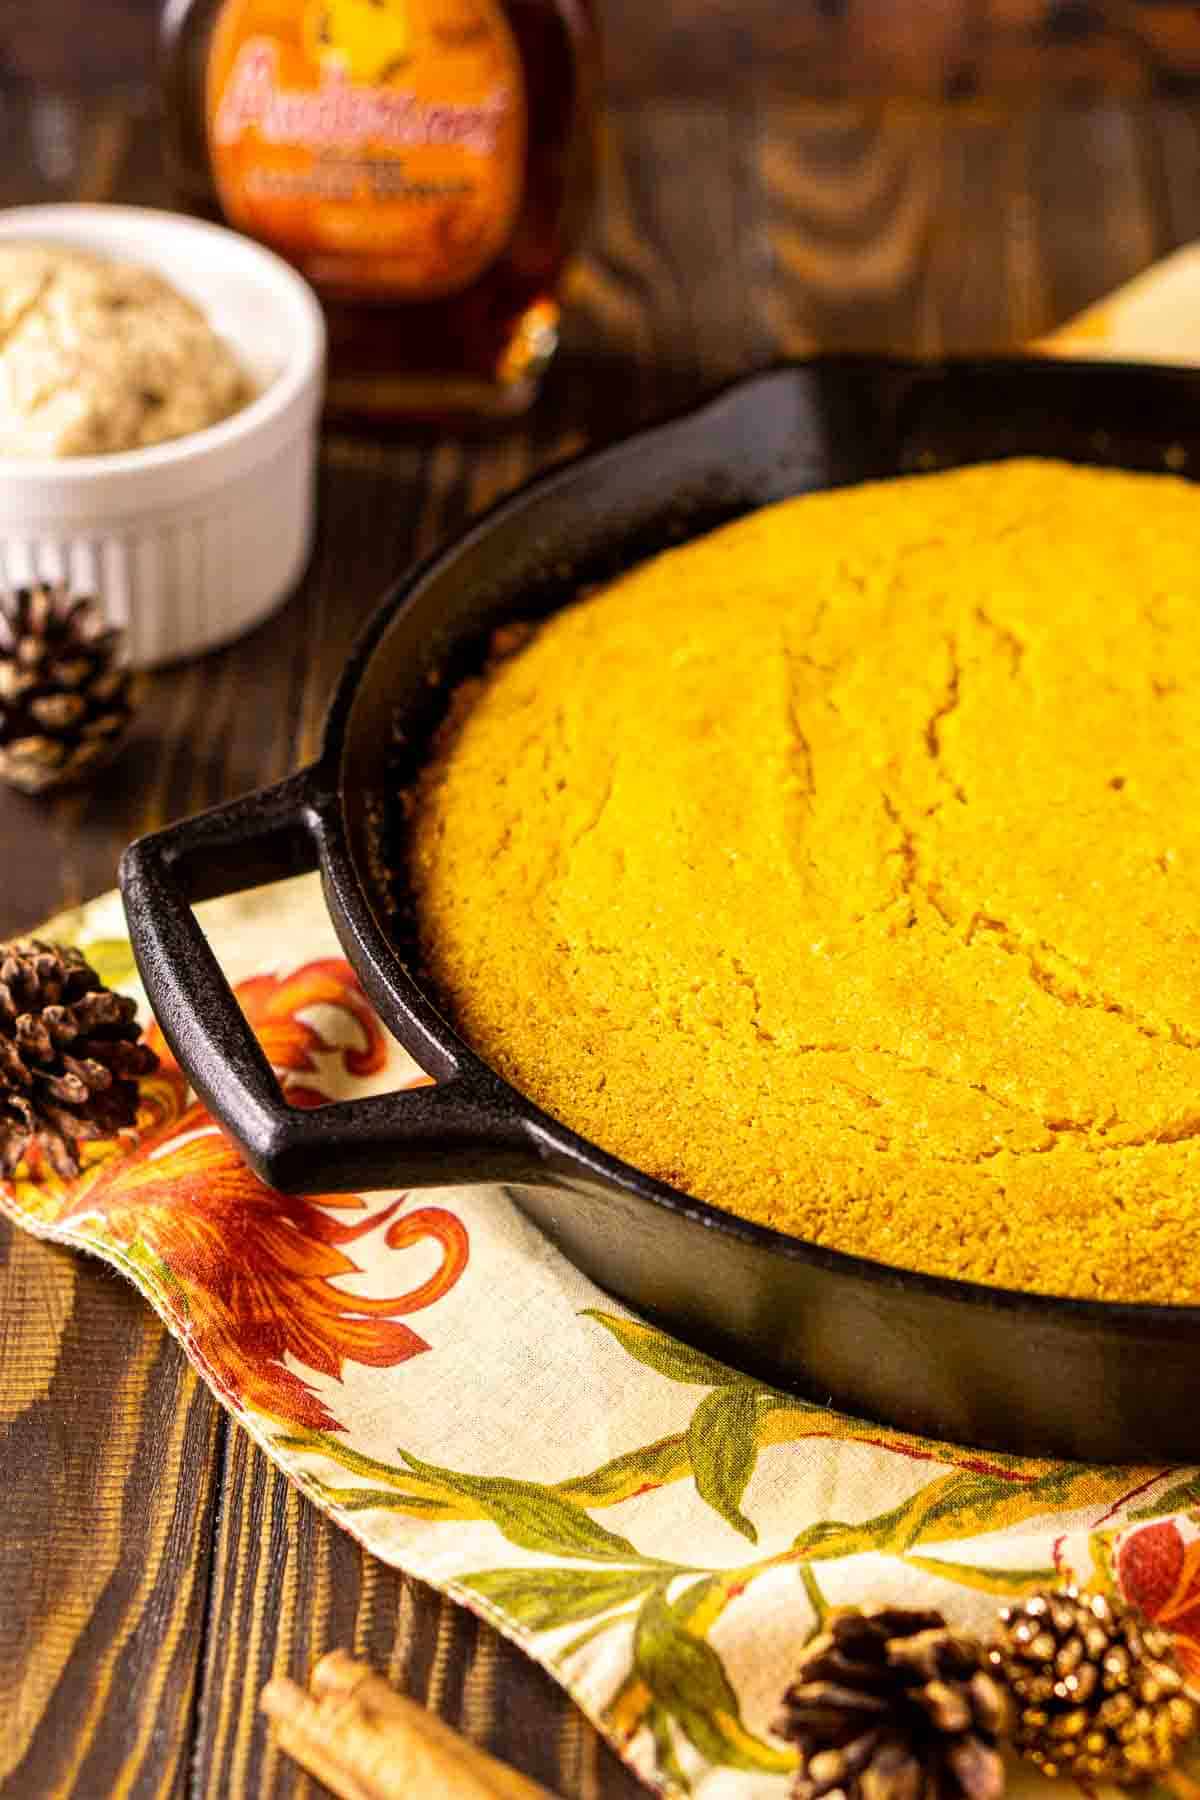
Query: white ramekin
187	544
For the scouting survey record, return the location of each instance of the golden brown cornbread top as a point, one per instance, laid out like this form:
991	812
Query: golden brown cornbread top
843	868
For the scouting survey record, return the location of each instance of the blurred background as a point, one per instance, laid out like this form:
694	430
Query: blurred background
825	48
819	47
825	161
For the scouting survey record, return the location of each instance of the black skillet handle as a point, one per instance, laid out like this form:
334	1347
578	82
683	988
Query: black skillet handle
421	1137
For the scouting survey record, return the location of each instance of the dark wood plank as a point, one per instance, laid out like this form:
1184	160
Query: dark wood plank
1173	136
695	197
618	366
109	1473
1094	203
851	194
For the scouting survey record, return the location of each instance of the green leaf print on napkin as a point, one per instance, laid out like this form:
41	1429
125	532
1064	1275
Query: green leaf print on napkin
987	1581
963	1503
112	960
723	1448
663	1354
686	1683
544	1599
531	1515
111	957
1180	1498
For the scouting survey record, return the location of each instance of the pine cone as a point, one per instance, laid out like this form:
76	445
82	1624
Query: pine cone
889	1704
65	699
1097	1690
70	1055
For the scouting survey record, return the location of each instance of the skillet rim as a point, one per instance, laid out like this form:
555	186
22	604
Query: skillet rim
420	1025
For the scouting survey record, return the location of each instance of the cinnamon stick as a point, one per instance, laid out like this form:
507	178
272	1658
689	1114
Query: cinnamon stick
366	1742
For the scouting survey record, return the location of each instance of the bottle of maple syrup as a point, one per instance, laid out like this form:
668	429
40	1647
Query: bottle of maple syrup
425	163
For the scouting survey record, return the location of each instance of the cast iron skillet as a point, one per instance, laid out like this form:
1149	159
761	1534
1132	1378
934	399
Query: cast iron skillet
954	1360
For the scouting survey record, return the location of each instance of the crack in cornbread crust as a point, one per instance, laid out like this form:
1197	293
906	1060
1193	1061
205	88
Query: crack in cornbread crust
842	868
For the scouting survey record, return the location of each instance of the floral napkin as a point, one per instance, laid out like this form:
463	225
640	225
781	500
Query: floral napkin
658	1530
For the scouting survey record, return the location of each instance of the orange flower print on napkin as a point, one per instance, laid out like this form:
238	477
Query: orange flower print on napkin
248	1274
1159	1570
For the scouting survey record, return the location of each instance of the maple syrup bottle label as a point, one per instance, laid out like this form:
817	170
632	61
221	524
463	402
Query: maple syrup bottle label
379	144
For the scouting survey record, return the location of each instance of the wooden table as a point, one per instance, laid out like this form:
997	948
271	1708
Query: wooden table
155	1570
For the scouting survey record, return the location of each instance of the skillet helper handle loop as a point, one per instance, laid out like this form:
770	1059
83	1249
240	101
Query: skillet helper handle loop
422	1137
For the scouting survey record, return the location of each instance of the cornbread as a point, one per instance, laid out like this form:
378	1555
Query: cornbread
843	868
98	355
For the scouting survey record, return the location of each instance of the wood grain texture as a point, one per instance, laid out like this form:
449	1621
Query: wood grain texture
154	1569
108	1442
109	1474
